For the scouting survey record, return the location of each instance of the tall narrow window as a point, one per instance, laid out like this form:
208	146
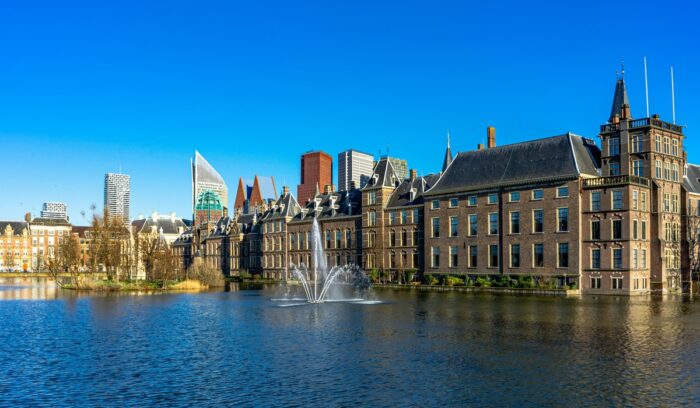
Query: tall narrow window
617	229
538	255
538	221
638	168
473	225
595	258
562	219
436	227
493	223
473	256
454	226
595	229
435	257
617	200
614	146
515	256
595	201
515	222
563	255
453	256
493	256
617	258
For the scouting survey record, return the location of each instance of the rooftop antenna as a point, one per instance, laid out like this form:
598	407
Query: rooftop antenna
646	84
673	98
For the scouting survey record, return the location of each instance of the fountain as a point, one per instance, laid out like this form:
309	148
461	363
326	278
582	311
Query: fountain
319	282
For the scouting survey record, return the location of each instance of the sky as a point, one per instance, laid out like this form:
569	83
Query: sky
90	87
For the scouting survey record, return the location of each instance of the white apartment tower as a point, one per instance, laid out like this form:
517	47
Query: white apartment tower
54	210
117	195
354	166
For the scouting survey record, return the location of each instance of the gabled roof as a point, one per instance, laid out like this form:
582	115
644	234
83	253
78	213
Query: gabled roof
383	175
559	157
410	192
619	99
333	205
285	206
691	181
169	225
53	222
17	226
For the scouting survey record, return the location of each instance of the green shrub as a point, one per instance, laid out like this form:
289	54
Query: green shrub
454	281
430	279
482	282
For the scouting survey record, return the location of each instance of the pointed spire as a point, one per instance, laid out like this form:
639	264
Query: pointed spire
621	103
240	195
448	154
318	191
256	197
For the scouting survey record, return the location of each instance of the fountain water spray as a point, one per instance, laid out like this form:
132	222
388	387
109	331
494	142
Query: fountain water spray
323	278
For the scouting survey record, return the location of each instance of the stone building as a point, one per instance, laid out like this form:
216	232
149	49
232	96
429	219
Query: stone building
339	217
47	236
15	246
275	236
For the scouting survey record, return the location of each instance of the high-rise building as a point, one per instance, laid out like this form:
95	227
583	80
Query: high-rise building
117	195
354	166
400	167
316	172
54	210
209	191
252	196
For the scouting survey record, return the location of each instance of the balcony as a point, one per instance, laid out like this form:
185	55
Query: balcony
616	181
644	122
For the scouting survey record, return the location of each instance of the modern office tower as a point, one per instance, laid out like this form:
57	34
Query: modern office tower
354	166
316	172
117	195
205	179
54	210
400	167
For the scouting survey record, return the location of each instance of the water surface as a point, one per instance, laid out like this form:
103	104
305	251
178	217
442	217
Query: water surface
240	348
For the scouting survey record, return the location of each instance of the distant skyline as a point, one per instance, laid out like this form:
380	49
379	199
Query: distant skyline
89	89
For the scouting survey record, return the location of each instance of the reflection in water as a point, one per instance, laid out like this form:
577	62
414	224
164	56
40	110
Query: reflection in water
238	347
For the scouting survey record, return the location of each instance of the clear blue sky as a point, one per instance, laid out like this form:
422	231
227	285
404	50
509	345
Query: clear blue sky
86	88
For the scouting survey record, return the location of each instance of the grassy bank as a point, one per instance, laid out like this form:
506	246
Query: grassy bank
136	285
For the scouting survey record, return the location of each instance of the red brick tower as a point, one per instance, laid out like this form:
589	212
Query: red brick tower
316	169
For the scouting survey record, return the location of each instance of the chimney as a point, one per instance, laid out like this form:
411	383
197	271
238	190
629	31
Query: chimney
285	190
353	185
28	217
328	188
172	217
626	113
491	136
414	174
480	146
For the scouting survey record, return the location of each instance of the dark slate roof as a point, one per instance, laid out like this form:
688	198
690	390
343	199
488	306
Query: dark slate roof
333	205
555	158
619	99
221	230
285	206
54	222
402	195
383	175
248	222
17	226
81	230
185	238
691	181
169	226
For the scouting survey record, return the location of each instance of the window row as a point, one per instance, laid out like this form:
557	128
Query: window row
493	256
513	223
513	197
639	229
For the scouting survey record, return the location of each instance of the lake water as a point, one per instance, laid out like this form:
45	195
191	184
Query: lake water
240	348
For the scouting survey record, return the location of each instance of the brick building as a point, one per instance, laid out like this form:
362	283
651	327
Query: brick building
316	173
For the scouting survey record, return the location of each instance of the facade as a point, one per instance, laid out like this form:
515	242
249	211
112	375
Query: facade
117	195
54	210
275	236
316	173
47	236
339	217
206	180
354	167
622	218
15	246
208	208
